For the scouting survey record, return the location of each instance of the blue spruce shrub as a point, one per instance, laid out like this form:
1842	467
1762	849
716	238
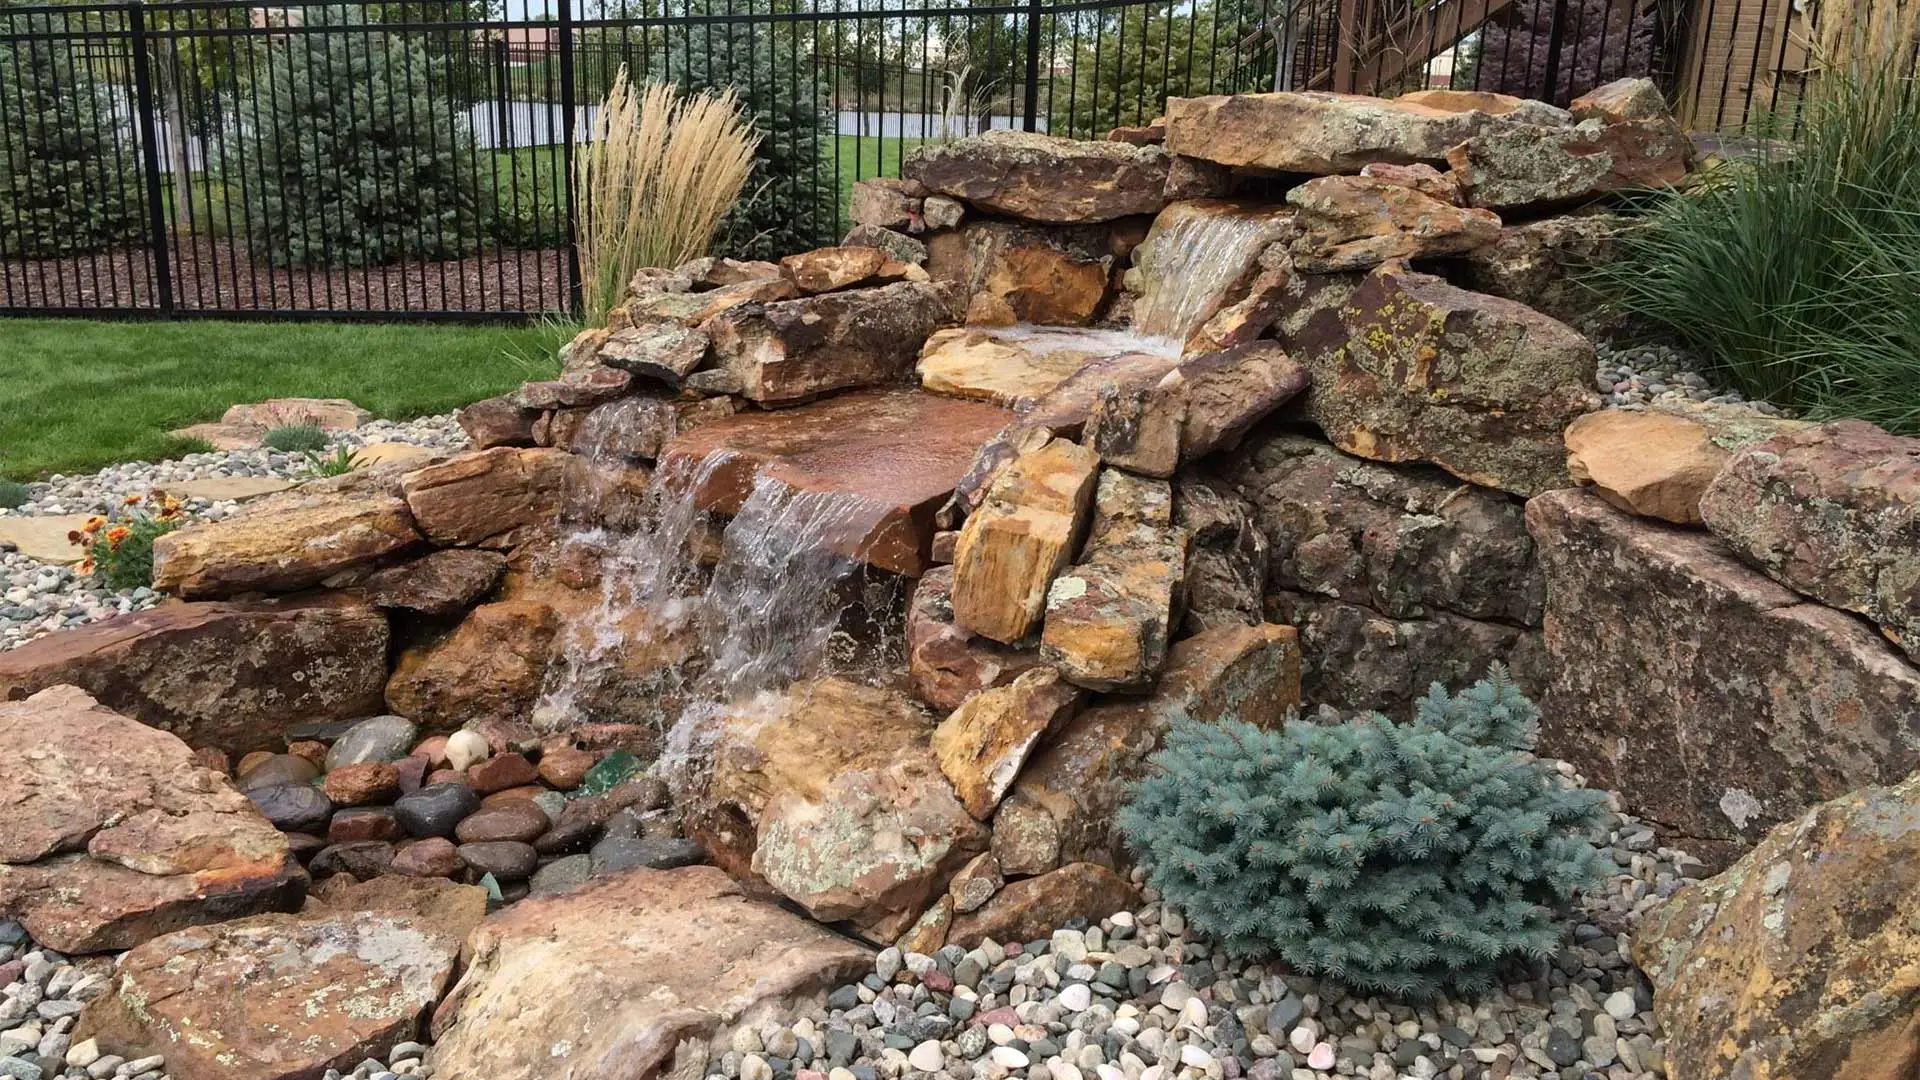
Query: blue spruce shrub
1409	859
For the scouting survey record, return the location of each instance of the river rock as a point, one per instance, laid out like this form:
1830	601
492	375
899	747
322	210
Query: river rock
232	675
1658	462
663	350
1797	960
375	739
1320	133
361	824
1206	403
1357	222
983	744
519	819
1712	698
1413	369
114	833
293	807
829	793
271	770
440	583
284	542
506	860
1020	538
1033	908
357	859
788	351
436	809
262	998
430	857
890	459
490	497
497	422
630	975
1529	168
1043	178
362	784
1832	512
489	667
948	665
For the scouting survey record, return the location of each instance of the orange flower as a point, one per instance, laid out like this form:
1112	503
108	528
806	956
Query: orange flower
94	524
118	533
131	500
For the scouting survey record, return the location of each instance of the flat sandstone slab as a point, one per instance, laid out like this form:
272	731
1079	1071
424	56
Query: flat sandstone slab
898	453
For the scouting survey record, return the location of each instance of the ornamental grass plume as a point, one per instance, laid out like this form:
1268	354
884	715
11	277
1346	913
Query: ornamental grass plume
656	180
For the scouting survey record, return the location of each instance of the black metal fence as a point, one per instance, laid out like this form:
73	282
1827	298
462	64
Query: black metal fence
413	158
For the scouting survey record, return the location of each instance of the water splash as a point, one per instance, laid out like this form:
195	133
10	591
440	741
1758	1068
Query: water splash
1192	258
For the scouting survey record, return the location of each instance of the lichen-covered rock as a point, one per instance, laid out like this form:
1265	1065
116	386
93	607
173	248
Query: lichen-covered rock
489	667
1832	512
1322	133
883	202
1111	616
490	498
1520	167
830	269
1539	263
1715	700
1356	223
1226	555
1205	404
1798	960
1043	178
284	542
662	349
948	665
897	244
234	675
789	351
1411	368
1658	462
113	834
580	387
982	745
643	973
1019	539
1397	576
275	997
1419	176
695	308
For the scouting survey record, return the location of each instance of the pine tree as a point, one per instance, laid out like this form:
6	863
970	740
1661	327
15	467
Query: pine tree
1409	859
354	153
69	181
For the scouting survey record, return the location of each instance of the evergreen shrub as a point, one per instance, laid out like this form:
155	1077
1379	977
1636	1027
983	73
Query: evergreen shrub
1410	859
65	188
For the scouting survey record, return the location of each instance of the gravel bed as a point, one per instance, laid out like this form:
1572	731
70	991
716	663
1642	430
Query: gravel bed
1138	996
1635	376
38	598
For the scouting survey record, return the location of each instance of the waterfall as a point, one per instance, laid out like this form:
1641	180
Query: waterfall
710	623
1191	260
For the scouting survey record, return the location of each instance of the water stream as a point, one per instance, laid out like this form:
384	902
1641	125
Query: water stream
1192	258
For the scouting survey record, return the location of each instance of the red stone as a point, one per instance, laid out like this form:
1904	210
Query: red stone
412	772
446	776
900	452
564	767
500	772
433	857
362	783
520	794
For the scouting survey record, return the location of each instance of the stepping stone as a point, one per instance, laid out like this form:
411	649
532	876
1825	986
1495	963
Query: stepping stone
229	488
893	455
44	537
224	437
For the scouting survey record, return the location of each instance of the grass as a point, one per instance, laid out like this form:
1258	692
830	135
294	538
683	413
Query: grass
1795	277
860	157
79	395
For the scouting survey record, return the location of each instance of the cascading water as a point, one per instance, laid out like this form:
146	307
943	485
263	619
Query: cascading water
1192	258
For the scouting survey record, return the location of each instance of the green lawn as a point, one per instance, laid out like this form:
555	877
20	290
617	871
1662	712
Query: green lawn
78	395
864	157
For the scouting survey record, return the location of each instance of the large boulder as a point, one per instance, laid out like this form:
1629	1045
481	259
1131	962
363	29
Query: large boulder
643	973
1529	168
1798	961
275	997
1226	555
440	583
829	793
1042	178
1197	259
1832	512
1033	908
1358	222
1397	576
1326	134
285	542
1012	368
489	667
1205	404
1658	462
1540	264
489	498
792	350
1411	368
232	675
1111	616
1020	537
947	664
113	832
1016	272
1715	700
983	744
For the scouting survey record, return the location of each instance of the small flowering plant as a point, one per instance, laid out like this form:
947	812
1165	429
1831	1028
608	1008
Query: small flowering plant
119	545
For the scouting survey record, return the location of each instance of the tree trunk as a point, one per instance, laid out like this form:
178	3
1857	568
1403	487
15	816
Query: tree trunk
172	82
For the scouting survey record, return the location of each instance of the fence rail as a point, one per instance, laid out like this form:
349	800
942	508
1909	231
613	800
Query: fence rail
411	159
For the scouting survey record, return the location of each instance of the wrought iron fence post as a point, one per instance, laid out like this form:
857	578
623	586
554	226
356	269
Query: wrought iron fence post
1031	121
150	150
575	293
1556	35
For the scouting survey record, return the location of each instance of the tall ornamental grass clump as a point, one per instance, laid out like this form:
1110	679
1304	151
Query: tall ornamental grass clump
655	182
1410	859
1796	276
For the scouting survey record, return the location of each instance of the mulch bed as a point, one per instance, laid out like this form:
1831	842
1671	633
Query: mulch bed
216	274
